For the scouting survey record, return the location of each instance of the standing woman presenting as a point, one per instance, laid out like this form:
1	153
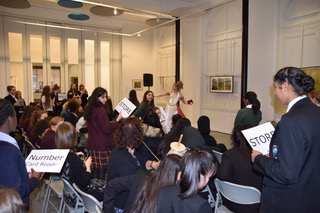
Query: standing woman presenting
100	131
172	106
291	170
251	114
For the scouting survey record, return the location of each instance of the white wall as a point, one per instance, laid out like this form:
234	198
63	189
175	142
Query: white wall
137	58
191	67
262	53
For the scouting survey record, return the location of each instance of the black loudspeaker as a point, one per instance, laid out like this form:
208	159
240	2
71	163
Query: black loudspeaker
147	80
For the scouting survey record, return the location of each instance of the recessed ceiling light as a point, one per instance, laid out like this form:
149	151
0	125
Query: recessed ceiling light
70	4
78	16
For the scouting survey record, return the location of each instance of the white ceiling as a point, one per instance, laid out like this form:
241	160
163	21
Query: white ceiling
161	7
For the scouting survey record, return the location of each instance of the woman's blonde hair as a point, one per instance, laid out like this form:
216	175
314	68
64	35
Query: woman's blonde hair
66	136
179	85
54	121
10	201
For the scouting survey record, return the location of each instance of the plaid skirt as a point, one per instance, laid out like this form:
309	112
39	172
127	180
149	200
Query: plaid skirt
99	159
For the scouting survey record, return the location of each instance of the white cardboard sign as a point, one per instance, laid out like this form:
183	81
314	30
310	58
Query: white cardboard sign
259	137
126	107
46	160
62	96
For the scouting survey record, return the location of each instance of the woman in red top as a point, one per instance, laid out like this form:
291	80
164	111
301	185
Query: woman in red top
100	131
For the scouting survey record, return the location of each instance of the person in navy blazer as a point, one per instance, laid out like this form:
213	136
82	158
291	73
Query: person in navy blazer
291	171
11	96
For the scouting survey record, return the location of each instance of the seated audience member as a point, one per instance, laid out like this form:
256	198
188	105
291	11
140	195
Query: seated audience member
204	129
146	103
25	117
152	134
197	167
13	167
192	138
72	107
124	160
36	116
38	130
143	186
236	167
10	201
74	169
175	119
133	98
82	130
172	136
48	137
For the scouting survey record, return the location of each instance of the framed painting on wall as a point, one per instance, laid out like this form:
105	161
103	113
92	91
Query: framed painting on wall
137	84
222	84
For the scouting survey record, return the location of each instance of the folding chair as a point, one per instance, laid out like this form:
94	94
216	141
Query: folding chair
218	155
236	193
98	209
45	190
211	200
68	189
89	202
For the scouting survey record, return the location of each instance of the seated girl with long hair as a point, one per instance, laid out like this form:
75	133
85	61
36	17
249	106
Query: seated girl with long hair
74	169
143	187
197	167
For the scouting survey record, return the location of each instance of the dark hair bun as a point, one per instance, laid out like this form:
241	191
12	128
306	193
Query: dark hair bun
308	84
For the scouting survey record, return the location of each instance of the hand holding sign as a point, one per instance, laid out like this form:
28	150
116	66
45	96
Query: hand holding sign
125	107
46	160
259	137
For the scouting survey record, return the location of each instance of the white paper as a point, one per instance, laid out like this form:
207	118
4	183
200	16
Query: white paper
259	137
46	160
126	107
62	96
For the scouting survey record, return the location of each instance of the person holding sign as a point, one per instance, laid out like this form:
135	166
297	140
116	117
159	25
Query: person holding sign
13	167
291	170
100	131
251	114
236	167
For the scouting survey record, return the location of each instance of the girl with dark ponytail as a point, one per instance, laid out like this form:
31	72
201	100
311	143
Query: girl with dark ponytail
251	114
197	166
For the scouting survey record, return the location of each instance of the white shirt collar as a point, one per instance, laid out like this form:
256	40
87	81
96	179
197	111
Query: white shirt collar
295	101
7	138
13	97
249	106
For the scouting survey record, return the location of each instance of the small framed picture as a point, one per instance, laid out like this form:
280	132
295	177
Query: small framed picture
221	84
137	84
